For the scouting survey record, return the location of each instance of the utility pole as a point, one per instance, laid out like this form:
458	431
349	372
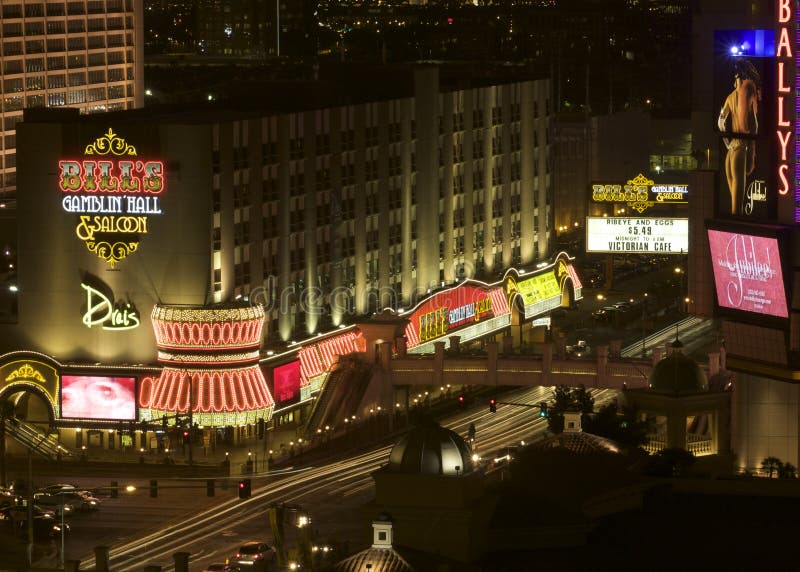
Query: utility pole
29	545
191	419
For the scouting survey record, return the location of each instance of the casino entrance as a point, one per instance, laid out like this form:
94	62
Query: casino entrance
28	390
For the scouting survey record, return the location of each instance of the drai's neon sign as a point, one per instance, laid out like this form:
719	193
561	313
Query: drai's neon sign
114	197
103	311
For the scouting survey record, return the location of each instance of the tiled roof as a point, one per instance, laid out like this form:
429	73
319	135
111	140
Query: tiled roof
380	559
577	442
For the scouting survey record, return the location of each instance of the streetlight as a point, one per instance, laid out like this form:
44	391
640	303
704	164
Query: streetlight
644	332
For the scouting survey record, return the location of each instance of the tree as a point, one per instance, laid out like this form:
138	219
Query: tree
620	424
771	465
669	462
787	471
567	398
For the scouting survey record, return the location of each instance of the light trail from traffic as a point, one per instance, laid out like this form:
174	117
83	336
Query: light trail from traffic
326	487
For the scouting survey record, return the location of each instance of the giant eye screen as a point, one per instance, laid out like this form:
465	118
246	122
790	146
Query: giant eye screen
98	397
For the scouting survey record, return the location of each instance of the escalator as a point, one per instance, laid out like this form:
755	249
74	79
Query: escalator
39	443
340	395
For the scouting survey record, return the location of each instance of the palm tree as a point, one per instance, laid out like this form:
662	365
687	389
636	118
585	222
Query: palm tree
787	471
771	465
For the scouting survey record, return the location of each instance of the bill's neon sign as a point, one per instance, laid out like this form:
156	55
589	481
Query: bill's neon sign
120	193
111	176
785	100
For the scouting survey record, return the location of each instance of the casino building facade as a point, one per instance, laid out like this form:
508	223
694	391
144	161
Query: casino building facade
176	255
743	229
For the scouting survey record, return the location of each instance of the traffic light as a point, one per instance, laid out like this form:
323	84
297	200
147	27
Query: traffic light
492	405
462	400
244	489
153	488
543	409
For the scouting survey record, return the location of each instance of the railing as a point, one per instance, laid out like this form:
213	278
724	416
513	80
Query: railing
40	443
699	445
655	442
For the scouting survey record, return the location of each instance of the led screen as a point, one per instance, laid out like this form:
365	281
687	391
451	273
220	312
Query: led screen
744	117
95	397
747	273
286	382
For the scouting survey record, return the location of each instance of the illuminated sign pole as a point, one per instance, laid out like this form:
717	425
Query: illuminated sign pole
784	97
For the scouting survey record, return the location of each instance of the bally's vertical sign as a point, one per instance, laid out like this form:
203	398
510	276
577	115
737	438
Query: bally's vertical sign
786	124
114	194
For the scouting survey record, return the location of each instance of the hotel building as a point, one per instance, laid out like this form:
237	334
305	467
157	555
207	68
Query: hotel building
85	54
148	238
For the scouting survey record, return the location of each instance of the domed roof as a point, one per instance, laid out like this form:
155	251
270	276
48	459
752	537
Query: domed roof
430	449
677	373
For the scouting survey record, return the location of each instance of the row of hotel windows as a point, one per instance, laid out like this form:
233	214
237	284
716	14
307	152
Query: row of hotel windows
73	26
72	97
71	44
55	81
71	8
242	274
73	61
324	251
270	191
270	152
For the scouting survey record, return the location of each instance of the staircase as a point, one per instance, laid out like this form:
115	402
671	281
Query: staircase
340	395
41	444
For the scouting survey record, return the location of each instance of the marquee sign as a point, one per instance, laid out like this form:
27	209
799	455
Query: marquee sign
113	197
640	193
454	309
620	234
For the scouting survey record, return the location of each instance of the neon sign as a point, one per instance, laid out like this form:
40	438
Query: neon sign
453	309
102	310
113	197
785	99
640	193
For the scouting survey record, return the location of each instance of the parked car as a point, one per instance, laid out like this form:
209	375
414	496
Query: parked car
250	552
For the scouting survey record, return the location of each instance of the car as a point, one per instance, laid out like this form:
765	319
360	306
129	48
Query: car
504	455
219	567
58	503
252	551
57	488
87	500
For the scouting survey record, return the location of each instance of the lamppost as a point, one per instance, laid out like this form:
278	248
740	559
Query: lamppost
681	273
644	331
